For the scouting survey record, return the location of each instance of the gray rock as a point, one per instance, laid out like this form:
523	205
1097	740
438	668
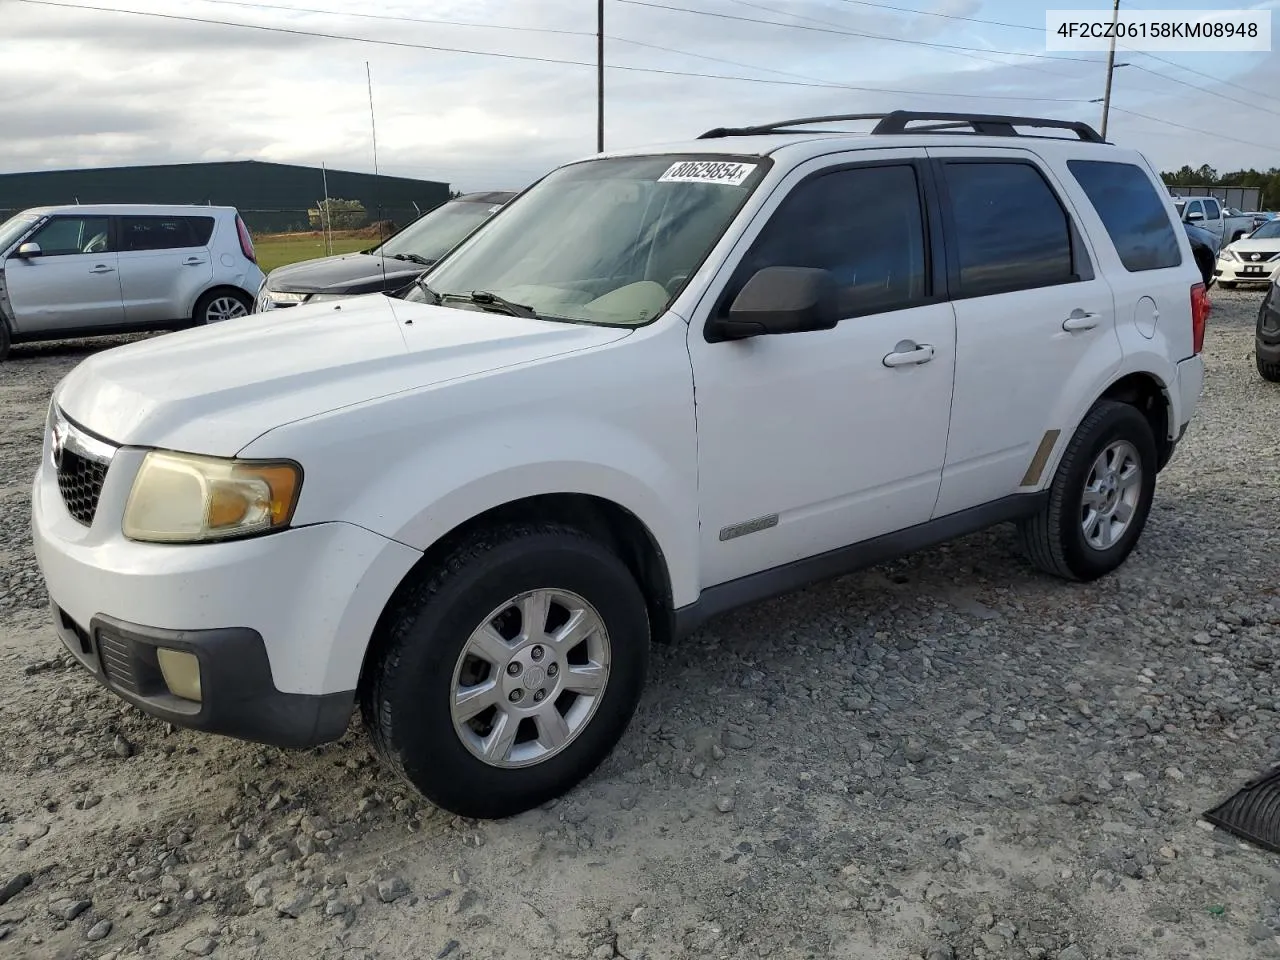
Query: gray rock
121	747
725	804
1073	952
201	946
99	931
737	741
68	908
392	889
14	887
295	905
939	951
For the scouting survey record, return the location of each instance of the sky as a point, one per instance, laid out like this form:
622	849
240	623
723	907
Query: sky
98	87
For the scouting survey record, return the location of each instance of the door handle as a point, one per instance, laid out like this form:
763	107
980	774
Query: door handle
103	268
908	353
192	262
1080	320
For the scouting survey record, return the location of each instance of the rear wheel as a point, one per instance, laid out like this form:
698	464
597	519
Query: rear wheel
4	338
218	305
1100	496
510	672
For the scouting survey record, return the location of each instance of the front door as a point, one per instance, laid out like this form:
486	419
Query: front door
72	284
812	441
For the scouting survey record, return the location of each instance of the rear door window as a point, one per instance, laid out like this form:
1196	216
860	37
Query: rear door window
1008	230
1136	219
1211	210
164	233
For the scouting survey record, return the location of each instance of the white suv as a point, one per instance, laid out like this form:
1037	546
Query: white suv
92	269
657	385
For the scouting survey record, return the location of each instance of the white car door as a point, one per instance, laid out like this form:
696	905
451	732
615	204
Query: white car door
812	441
72	284
1035	326
165	264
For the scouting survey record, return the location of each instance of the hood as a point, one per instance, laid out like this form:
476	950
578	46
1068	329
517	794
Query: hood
349	273
214	389
1266	246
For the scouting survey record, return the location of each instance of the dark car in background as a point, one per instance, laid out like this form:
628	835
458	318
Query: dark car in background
1204	245
388	267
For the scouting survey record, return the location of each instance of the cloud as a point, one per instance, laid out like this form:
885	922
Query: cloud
92	88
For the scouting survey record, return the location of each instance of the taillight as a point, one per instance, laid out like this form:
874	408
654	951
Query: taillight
246	241
1200	308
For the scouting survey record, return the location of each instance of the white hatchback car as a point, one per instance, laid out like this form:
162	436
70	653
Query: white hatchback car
658	384
93	269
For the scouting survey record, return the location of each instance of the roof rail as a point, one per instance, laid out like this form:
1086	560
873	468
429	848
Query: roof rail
995	125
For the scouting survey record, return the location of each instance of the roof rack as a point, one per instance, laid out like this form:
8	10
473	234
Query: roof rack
994	125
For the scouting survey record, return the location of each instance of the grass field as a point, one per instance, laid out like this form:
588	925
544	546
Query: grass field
277	249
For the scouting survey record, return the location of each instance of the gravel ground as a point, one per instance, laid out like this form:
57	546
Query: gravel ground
946	757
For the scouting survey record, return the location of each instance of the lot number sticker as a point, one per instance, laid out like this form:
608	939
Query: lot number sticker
708	171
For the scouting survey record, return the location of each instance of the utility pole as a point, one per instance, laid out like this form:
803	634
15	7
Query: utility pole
600	75
1111	68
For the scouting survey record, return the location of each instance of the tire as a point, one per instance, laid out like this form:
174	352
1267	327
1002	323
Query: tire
5	339
1055	538
1268	371
426	654
218	305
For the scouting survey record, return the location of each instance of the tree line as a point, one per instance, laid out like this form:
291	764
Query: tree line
1206	176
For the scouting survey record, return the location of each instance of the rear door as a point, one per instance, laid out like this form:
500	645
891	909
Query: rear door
74	283
1035	325
165	264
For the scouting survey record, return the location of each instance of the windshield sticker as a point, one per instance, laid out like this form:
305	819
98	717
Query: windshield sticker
708	171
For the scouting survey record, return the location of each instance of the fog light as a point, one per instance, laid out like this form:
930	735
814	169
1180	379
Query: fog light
181	672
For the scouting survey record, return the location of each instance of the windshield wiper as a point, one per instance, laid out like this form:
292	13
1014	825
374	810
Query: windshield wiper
412	258
486	299
422	285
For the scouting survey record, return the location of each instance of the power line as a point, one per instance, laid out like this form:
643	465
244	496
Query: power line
1212	93
851	33
397	19
841	26
529	58
1201	73
945	16
1183	126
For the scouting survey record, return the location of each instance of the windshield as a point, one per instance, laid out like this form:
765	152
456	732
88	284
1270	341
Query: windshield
604	241
15	227
1268	231
435	233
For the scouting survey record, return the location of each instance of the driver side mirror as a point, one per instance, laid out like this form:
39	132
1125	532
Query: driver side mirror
28	250
1194	216
781	300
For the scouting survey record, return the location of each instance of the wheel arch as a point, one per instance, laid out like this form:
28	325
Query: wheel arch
1152	398
217	288
603	519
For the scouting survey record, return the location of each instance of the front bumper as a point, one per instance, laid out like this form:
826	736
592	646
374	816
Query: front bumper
279	623
239	698
1237	271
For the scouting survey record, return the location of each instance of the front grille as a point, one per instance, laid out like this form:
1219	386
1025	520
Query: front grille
80	481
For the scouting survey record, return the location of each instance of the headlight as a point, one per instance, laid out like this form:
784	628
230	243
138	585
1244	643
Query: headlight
280	297
317	297
183	498
1230	254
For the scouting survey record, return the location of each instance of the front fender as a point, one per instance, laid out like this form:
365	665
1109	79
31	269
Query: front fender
615	422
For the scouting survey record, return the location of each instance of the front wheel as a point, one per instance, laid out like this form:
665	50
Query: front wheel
510	672
218	305
1100	496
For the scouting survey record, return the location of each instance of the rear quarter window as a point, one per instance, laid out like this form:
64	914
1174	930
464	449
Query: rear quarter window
1131	210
